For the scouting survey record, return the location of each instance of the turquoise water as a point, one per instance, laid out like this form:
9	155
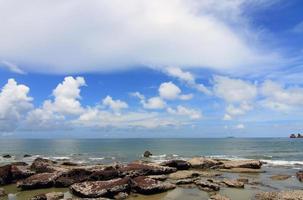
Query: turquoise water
276	151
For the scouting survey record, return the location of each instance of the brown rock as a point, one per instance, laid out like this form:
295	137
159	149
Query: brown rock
179	164
73	176
54	195
233	183
5	175
136	169
191	174
95	189
41	165
280	177
20	172
243	180
283	195
207	185
104	174
251	164
145	185
39	197
2	192
43	180
242	170
158	177
219	197
184	181
204	163
121	195
299	175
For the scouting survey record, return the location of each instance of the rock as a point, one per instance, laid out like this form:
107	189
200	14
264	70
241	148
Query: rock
73	176
219	197
54	195
204	163
283	195
27	156
39	197
95	189
6	156
251	164
2	192
19	163
147	154
243	180
179	164
136	169
67	163
280	177
104	174
43	180
20	172
207	186
158	177
184	181
242	170
233	183
121	195
5	175
41	165
299	175
145	185
191	174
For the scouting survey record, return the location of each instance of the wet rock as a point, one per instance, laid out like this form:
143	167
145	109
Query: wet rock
2	192
54	195
233	183
179	164
158	177
145	185
147	154
104	174
204	163
67	163
251	164
6	156
121	195
5	175
136	169
207	186
20	172
243	180
242	170
95	189
191	174
39	197
19	163
43	180
73	176
300	176
219	197
283	195
27	156
184	181
41	165
280	177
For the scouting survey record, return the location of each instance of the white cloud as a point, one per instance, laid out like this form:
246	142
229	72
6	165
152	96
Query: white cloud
14	103
183	111
115	105
240	126
154	103
11	67
188	78
169	91
85	36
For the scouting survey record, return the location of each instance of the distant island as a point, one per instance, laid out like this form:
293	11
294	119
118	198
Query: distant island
296	136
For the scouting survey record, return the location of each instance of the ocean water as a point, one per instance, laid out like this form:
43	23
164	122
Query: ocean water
275	151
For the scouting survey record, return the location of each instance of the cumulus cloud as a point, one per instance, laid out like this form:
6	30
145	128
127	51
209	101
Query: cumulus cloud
188	78
82	36
183	111
14	104
170	91
115	105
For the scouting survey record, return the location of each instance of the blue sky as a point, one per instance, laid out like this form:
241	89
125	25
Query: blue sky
152	69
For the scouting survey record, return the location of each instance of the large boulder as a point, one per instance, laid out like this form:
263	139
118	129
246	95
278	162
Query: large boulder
5	175
204	163
95	189
42	180
282	195
20	172
145	185
207	185
2	192
41	165
73	176
179	164
138	169
251	164
299	175
147	154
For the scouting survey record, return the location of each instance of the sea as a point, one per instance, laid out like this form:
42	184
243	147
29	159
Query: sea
273	151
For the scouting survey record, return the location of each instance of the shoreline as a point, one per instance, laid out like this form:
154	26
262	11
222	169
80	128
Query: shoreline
197	178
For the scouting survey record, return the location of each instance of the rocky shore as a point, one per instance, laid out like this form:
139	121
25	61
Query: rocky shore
121	181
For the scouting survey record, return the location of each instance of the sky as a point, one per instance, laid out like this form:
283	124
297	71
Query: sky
141	68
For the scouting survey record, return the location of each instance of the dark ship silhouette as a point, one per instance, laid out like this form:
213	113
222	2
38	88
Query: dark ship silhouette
296	136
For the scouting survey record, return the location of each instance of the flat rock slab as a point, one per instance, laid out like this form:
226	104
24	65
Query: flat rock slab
179	164
280	177
284	195
49	196
95	189
21	172
219	197
43	180
204	163
192	174
145	185
233	183
207	186
242	170
137	169
251	164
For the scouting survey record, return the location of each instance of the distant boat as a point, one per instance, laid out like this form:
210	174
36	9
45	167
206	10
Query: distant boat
296	136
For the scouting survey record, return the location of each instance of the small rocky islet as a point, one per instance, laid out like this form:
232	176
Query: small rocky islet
120	181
